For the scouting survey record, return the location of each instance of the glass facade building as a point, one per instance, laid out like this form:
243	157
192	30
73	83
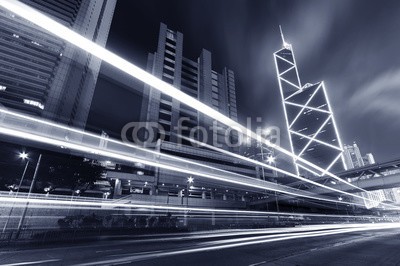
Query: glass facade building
310	120
45	76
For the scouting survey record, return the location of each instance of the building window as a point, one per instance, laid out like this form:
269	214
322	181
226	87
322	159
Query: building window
34	103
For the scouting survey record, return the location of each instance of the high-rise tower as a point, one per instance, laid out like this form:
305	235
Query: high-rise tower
309	117
45	76
194	77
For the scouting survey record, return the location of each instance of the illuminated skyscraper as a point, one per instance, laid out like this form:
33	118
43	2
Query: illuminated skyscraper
45	76
310	120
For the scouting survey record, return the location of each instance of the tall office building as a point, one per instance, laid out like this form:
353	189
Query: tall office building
45	76
354	159
194	77
310	120
198	79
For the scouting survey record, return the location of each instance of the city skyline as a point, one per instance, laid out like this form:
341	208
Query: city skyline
255	77
198	131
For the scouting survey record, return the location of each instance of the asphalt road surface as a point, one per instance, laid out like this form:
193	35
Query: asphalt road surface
308	245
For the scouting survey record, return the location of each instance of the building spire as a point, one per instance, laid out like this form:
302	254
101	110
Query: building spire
283	37
284	43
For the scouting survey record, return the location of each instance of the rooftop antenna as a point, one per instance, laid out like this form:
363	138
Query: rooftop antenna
284	43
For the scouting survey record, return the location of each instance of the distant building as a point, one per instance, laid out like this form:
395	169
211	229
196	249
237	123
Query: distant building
369	159
45	76
354	159
310	120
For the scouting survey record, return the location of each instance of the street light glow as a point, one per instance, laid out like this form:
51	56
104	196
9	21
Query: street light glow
23	155
271	159
190	180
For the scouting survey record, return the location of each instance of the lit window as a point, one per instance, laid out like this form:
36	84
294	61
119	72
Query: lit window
34	103
36	43
3	88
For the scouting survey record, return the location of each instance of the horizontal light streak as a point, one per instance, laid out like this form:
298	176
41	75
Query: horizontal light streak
240	242
128	158
145	207
285	172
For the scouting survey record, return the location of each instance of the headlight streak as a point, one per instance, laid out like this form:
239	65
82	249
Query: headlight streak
234	243
44	122
145	207
271	232
68	35
129	158
270	167
55	125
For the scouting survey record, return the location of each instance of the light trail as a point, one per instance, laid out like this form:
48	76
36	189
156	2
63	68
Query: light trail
259	184
68	35
239	242
32	262
270	167
81	132
145	207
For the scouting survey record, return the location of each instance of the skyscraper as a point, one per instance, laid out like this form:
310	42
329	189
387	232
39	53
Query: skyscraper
45	76
194	77
217	89
309	118
353	157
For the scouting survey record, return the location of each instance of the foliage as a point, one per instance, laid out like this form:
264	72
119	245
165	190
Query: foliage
73	173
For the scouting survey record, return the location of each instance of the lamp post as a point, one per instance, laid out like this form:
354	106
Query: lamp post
21	221
271	160
190	181
23	156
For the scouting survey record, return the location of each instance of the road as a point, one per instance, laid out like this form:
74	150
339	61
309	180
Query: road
307	245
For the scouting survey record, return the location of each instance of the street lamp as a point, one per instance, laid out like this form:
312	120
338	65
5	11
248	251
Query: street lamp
267	131
21	221
270	159
190	181
23	155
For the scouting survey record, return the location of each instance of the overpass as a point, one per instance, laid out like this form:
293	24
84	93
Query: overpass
370	177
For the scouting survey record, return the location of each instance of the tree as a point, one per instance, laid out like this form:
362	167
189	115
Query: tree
74	173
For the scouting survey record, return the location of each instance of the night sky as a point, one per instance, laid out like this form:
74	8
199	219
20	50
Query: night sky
351	45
